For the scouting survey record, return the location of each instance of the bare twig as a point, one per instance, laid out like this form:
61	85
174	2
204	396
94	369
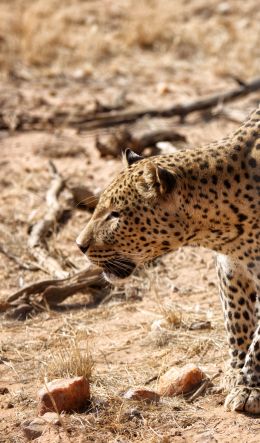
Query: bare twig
48	263
202	388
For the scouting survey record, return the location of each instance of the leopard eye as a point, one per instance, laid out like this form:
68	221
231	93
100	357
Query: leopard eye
113	214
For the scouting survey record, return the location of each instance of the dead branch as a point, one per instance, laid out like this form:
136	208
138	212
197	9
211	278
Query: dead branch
51	292
181	110
112	144
55	291
48	293
26	121
48	263
43	227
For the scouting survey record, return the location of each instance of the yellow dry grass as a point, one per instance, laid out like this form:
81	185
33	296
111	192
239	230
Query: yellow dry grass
58	37
68	359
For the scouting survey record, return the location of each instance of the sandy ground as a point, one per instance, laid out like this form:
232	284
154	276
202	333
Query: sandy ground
68	58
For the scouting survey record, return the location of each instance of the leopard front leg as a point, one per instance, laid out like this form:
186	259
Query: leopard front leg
238	296
246	395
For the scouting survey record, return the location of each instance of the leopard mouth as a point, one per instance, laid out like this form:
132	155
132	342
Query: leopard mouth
118	267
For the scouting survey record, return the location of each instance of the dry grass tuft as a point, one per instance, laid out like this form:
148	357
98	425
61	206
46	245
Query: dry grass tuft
69	360
57	38
172	315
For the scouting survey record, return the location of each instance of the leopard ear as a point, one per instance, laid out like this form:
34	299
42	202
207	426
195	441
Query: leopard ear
156	181
131	157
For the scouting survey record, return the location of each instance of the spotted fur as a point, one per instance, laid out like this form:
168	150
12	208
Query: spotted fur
209	197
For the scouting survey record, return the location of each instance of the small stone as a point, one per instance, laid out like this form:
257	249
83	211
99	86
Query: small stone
224	8
179	381
163	88
4	391
166	147
51	417
78	74
33	428
67	394
133	414
142	394
197	325
9	405
159	324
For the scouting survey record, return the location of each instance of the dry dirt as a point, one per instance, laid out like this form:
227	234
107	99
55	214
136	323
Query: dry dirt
67	58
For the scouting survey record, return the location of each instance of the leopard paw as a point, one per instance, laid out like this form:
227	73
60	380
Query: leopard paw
242	398
231	378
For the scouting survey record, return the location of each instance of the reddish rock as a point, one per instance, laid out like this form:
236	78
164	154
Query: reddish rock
179	381
142	394
67	394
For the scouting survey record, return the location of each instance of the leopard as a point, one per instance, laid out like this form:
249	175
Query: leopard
206	196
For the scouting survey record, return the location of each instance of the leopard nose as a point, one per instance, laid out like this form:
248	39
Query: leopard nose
83	248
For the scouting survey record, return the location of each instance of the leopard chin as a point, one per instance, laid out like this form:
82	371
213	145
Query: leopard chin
118	269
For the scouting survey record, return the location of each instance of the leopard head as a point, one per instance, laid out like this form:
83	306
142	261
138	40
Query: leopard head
131	223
